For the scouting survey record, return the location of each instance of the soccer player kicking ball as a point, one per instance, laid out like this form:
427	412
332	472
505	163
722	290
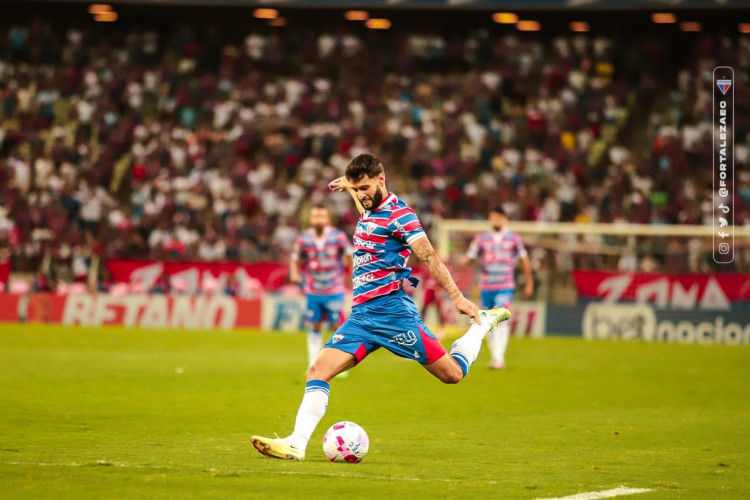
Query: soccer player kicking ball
383	315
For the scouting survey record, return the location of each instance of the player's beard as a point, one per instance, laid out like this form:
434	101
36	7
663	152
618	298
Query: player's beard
376	199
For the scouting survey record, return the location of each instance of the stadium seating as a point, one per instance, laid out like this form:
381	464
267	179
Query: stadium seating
179	145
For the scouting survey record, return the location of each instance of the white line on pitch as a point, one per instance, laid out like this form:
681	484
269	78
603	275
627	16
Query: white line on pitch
593	495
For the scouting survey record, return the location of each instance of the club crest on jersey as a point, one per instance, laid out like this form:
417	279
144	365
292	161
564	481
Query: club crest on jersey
336	337
724	85
370	227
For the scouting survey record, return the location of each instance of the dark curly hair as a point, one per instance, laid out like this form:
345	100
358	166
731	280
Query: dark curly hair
364	164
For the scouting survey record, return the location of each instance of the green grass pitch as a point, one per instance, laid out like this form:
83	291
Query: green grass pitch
116	413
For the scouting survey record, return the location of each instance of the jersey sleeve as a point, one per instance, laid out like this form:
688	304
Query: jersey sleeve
296	253
474	248
520	248
405	225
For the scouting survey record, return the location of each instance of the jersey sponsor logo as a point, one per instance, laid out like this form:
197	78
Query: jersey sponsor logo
408	338
328	262
361	260
364	243
361	280
323	276
499	268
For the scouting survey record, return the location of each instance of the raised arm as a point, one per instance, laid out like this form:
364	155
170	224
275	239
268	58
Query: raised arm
424	250
341	184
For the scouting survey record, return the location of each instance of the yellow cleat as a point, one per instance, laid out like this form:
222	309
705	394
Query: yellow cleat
493	317
277	448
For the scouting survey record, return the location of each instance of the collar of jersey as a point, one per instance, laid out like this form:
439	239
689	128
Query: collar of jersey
388	199
500	234
322	237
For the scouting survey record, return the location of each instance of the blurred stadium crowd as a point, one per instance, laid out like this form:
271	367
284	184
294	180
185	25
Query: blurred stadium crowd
188	145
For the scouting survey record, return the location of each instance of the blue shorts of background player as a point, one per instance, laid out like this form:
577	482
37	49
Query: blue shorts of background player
392	322
496	298
328	307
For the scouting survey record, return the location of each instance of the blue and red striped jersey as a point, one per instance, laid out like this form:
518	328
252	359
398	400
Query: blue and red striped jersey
382	242
498	251
323	268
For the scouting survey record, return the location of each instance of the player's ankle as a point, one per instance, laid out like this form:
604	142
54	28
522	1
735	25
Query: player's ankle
299	442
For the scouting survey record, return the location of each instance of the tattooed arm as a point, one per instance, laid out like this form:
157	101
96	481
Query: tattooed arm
424	250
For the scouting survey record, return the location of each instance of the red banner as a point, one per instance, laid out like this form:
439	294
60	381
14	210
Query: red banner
145	311
145	275
9	307
675	291
4	271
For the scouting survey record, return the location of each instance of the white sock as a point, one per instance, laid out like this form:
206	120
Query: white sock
311	410
314	344
466	349
497	341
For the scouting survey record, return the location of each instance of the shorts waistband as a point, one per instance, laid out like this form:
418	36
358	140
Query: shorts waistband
392	294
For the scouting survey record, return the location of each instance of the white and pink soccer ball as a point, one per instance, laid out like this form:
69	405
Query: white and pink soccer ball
346	442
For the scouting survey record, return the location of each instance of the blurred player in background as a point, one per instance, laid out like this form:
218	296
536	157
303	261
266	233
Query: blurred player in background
498	250
320	258
383	315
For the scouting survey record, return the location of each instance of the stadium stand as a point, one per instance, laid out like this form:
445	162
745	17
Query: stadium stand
185	143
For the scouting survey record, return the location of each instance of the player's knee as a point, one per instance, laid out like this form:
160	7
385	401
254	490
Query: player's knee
314	373
452	376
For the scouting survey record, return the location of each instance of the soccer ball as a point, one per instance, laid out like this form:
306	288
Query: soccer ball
346	442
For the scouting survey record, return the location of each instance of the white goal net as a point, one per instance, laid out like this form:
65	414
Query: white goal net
558	248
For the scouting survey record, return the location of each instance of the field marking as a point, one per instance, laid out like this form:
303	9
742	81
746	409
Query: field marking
593	495
228	472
